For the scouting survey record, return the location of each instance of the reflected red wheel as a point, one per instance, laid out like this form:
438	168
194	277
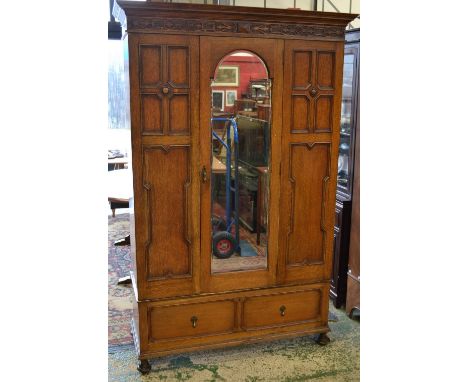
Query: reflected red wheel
224	244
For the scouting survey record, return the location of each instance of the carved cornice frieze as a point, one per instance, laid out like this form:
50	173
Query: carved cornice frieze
234	27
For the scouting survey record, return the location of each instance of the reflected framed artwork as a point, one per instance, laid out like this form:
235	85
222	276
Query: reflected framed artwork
227	76
217	99
231	96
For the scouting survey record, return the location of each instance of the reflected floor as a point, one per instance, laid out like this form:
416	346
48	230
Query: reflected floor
239	263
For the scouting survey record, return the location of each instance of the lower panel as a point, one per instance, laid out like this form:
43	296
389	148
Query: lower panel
214	321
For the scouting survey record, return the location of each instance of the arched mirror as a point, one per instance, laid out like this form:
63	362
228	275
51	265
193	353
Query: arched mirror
240	155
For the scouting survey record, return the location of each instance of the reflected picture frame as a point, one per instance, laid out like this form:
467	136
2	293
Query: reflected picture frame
231	96
227	76
217	99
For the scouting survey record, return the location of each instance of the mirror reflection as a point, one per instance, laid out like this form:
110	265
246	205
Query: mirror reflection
345	128
240	128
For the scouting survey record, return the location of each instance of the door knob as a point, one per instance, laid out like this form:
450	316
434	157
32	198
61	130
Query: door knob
282	310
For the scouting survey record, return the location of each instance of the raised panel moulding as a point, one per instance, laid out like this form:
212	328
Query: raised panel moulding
178	59
309	173
325	70
179	114
168	249
323	115
150	65
151	114
302	69
300	113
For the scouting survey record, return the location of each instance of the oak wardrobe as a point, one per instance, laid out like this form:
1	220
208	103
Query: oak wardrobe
233	207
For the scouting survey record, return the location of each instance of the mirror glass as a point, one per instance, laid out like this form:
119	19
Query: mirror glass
240	171
345	128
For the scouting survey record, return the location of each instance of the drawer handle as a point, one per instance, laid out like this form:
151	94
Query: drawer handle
194	320
282	310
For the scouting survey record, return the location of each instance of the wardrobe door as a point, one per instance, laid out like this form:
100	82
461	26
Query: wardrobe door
240	161
311	120
164	102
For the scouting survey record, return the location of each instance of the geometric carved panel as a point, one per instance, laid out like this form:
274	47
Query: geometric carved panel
166	182
302	69
312	90
325	70
178	66
150	63
179	115
151	113
300	113
309	171
164	72
324	113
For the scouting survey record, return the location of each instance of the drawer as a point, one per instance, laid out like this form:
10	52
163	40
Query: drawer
282	309
191	320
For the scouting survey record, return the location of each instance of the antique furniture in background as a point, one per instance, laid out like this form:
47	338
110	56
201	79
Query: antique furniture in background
347	165
354	273
180	303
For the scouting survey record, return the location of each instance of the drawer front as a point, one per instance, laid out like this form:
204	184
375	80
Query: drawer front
282	309
191	320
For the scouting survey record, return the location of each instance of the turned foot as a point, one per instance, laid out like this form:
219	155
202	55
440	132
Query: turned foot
323	339
144	367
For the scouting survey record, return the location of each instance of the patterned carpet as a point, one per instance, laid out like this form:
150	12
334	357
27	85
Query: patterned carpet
295	360
120	297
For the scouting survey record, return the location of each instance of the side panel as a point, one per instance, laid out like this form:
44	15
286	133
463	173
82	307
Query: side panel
311	116
164	102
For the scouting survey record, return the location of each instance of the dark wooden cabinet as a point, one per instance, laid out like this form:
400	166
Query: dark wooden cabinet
181	302
354	272
340	251
348	168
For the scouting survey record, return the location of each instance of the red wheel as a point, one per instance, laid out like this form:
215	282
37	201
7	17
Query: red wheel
224	244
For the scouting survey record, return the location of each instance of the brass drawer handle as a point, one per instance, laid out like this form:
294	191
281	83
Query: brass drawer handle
194	320
282	310
165	90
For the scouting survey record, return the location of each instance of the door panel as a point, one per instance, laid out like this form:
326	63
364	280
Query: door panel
270	51
311	105
165	163
308	203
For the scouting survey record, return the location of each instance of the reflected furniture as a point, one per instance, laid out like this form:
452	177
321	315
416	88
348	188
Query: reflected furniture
180	304
348	165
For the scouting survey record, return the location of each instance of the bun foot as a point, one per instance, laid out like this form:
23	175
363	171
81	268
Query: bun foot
144	367
323	339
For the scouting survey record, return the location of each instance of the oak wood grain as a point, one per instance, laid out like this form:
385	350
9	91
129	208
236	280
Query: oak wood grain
173	52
